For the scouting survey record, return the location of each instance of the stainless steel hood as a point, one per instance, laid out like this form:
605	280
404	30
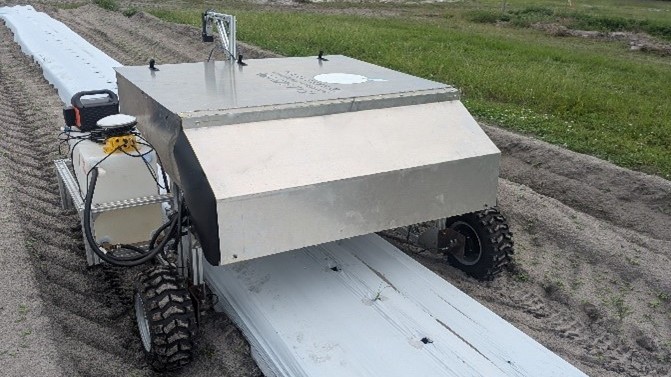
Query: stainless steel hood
290	152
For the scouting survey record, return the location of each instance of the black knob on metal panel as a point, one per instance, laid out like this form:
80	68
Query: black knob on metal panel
152	65
240	62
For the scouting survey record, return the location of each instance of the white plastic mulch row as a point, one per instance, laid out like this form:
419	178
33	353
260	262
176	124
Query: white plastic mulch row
361	307
69	62
356	307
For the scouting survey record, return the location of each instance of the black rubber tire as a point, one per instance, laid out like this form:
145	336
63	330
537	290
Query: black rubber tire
169	317
494	239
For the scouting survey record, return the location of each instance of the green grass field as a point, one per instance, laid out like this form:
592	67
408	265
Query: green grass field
591	96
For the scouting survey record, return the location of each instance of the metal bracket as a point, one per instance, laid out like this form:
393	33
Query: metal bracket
190	259
73	200
226	29
451	242
434	236
189	254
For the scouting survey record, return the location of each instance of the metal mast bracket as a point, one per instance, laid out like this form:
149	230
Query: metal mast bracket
225	25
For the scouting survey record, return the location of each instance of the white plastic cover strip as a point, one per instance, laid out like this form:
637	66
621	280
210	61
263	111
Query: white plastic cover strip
361	307
69	62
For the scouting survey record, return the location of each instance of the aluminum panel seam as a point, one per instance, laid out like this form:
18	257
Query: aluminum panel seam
310	109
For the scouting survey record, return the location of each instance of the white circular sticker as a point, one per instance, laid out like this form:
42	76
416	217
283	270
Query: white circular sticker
341	78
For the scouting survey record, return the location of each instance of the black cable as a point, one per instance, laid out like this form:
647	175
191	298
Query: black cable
174	225
95	166
121	261
180	207
165	186
62	141
163	174
118	261
153	174
139	154
158	232
182	219
72	151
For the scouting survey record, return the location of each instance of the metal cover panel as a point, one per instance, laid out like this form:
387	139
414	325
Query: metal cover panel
253	158
291	161
285	184
223	90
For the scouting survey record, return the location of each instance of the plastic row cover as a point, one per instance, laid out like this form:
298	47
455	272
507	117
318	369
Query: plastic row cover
361	308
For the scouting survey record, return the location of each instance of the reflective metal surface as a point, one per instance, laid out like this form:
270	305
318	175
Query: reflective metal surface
199	90
297	152
217	93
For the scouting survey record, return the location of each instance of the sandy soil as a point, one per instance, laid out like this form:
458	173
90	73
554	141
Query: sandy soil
636	41
590	281
26	340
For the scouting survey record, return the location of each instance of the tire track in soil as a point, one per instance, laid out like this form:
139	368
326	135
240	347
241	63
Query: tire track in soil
623	197
579	327
89	306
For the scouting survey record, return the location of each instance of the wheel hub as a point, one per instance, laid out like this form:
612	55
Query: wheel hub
473	246
142	322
